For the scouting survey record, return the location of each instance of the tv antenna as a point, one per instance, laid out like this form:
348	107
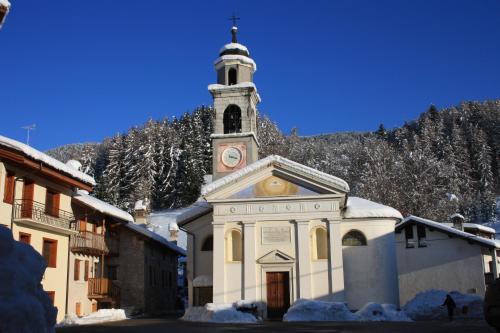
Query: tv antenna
29	128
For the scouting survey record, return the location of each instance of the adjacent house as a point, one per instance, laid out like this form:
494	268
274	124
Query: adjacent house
433	255
97	256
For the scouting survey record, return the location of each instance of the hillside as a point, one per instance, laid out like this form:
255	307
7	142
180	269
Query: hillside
443	162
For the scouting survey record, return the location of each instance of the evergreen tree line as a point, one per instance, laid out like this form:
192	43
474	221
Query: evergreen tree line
444	162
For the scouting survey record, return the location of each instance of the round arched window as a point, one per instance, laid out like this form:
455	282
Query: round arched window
354	238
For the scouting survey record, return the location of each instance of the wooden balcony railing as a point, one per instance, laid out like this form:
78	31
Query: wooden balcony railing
103	288
88	242
38	212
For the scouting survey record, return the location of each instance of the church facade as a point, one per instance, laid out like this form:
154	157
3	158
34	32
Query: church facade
274	230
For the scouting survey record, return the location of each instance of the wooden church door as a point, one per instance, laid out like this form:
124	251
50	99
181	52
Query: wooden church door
278	294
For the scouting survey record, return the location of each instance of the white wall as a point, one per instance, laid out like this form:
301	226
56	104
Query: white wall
370	272
446	263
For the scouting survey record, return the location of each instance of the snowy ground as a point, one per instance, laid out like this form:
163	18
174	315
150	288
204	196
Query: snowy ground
24	306
101	316
218	313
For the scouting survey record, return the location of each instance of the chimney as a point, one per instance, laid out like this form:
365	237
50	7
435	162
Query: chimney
141	211
458	221
173	228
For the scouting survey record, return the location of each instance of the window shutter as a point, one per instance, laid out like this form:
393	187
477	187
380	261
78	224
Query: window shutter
86	273
8	196
53	254
76	276
56	204
83	225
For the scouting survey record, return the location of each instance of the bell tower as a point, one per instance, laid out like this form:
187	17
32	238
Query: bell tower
235	97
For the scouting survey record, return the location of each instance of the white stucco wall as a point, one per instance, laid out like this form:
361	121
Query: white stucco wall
78	290
446	263
370	272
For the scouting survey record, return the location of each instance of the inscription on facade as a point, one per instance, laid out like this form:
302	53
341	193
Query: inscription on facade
273	235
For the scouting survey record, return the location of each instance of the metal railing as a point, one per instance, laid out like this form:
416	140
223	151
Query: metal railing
103	288
39	212
88	242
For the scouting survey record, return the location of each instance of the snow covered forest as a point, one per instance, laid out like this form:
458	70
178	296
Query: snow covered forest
444	162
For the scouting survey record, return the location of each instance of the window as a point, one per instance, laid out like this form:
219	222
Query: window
208	244
320	243
25	238
232	76
52	199
49	252
76	272
410	243
354	238
113	272
232	119
52	295
421	234
86	272
83	225
234	245
78	309
8	195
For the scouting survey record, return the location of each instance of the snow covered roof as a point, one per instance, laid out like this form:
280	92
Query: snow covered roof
232	46
140	205
44	158
150	234
283	163
239	57
360	208
179	215
449	230
460	216
101	206
479	227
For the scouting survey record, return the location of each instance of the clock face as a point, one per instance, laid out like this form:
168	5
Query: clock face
231	157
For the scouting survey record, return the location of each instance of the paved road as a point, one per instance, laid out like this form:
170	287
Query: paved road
163	325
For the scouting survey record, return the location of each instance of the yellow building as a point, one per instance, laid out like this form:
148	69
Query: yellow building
36	203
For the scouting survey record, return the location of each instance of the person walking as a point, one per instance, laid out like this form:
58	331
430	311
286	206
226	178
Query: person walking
450	306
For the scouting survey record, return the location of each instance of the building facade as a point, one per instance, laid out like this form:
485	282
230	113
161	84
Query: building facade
279	231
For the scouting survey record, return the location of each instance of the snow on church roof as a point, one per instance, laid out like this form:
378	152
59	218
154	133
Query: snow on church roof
360	208
283	162
239	57
232	46
101	206
449	230
44	158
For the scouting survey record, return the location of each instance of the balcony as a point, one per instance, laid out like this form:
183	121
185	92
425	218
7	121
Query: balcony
38	214
103	289
87	242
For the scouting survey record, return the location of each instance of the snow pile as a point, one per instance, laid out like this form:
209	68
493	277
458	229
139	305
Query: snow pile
218	313
44	158
307	310
360	208
101	316
24	306
202	281
381	312
427	306
74	164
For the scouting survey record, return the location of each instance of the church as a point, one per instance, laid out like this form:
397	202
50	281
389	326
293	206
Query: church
270	230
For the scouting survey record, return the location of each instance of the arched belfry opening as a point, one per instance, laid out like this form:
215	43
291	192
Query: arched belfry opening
232	119
232	76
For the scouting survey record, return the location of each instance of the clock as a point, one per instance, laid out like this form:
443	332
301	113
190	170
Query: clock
231	157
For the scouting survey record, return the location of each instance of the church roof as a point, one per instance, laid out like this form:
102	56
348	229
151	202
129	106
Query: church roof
234	48
361	208
283	163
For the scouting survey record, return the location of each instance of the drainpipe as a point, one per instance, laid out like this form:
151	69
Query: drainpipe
495	264
67	275
194	255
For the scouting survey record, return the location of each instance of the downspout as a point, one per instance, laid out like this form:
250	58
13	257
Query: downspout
495	264
67	275
194	257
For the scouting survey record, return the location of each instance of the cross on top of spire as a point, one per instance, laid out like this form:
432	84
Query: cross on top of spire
234	29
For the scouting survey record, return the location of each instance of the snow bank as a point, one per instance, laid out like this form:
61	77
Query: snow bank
24	306
360	208
218	313
427	306
44	158
381	312
101	316
306	310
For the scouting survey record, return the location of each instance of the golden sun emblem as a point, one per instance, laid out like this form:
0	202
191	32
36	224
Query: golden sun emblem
274	186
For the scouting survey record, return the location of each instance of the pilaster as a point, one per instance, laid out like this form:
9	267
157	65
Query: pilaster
303	259
218	264
249	260
335	264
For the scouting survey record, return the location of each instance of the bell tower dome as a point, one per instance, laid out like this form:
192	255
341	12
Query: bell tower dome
235	97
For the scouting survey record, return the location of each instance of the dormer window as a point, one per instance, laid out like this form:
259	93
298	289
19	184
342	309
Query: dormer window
421	234
232	76
410	242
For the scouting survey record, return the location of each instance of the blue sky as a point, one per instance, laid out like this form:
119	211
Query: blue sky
84	70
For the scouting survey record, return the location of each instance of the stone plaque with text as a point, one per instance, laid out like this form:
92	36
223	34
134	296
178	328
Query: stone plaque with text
273	235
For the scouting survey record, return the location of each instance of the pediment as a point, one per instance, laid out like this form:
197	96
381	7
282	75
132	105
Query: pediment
275	257
274	176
